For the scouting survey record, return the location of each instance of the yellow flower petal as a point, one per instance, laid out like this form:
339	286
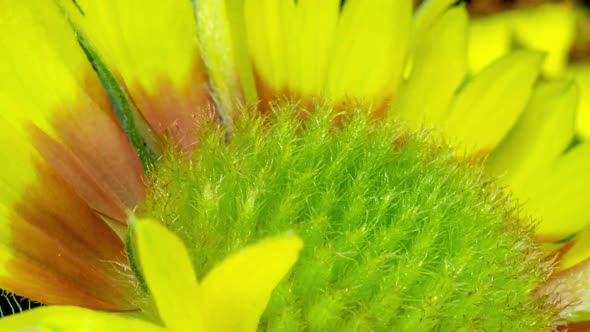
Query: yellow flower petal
424	98
312	48
540	136
73	113
578	252
581	73
290	44
479	116
490	38
530	161
550	28
236	292
73	319
427	14
169	274
558	194
232	297
58	173
150	46
141	40
372	40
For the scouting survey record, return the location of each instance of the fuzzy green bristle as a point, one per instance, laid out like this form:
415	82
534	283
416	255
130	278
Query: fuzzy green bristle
399	235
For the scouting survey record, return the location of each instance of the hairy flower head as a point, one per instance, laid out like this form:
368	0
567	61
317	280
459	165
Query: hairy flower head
322	107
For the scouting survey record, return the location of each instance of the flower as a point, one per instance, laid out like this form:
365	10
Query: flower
467	108
424	79
231	297
76	156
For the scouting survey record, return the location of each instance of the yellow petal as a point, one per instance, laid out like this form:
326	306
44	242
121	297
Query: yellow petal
169	274
490	38
74	111
64	164
236	292
578	252
290	45
540	135
372	41
550	28
581	73
151	47
480	116
141	40
427	14
64	319
557	195
424	97
313	49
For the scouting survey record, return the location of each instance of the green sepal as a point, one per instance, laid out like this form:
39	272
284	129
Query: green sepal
133	260
135	127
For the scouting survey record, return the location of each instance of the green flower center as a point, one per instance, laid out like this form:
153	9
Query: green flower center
398	233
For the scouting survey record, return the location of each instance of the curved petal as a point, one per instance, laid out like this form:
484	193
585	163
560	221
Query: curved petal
490	37
71	319
65	162
151	47
370	50
424	98
479	116
578	251
427	14
169	274
539	137
308	49
289	45
581	73
530	161
236	292
70	123
550	28
558	194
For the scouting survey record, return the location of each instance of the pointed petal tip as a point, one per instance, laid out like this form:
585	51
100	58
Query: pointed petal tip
168	272
533	56
237	291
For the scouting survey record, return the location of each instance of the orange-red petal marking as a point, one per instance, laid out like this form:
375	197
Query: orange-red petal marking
66	166
151	48
310	49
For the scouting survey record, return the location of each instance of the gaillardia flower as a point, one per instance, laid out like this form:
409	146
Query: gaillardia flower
491	108
113	106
